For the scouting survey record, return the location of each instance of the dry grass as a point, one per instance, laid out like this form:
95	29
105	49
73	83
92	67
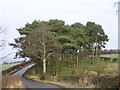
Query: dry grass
12	81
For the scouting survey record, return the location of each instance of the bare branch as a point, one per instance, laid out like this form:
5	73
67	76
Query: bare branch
2	43
6	55
48	55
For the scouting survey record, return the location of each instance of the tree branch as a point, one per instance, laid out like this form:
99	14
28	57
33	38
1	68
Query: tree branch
6	55
48	55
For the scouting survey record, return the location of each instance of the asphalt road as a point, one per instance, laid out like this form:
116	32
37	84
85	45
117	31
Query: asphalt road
31	83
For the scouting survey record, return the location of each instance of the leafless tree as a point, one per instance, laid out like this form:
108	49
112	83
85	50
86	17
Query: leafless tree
117	4
2	40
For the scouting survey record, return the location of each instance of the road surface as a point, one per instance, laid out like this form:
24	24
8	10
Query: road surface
31	83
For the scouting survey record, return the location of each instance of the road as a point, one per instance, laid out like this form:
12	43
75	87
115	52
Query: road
31	83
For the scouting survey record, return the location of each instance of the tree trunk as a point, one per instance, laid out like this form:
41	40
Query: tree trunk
92	52
77	61
92	55
97	51
44	66
44	58
96	47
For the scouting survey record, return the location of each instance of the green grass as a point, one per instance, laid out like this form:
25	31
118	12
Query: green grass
6	66
99	68
110	55
68	66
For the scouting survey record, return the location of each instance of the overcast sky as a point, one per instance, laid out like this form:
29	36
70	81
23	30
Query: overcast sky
16	13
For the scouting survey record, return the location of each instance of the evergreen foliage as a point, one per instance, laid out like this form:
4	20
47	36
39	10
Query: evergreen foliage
45	40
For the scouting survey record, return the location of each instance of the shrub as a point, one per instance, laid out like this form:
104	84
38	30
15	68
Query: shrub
107	81
77	78
30	72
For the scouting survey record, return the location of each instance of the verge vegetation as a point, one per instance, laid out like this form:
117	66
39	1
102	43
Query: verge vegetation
12	81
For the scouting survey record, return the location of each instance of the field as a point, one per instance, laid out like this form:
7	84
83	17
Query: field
110	55
99	68
6	66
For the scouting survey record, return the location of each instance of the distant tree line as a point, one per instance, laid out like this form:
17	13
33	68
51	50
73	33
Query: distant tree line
111	51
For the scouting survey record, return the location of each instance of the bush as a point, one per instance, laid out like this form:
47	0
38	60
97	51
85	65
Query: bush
107	81
97	81
30	73
77	78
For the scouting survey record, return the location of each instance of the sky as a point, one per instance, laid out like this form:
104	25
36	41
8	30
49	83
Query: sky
16	13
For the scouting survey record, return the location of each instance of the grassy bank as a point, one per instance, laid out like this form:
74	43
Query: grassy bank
99	68
6	66
15	68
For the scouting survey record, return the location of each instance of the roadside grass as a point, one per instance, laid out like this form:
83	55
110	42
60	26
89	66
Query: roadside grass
6	66
12	81
67	85
64	84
